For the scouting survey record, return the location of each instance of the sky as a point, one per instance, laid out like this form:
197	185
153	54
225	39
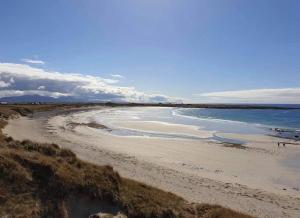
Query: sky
214	51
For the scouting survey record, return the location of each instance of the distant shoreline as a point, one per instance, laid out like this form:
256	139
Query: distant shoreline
128	104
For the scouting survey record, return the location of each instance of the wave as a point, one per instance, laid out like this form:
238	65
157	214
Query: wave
181	113
176	112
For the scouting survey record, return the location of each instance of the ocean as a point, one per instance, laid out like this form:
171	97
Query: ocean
287	118
281	123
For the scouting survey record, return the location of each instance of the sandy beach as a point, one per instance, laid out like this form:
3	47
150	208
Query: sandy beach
254	178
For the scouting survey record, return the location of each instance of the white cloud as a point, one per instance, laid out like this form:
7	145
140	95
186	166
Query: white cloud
7	83
32	61
41	87
30	80
117	76
4	84
283	95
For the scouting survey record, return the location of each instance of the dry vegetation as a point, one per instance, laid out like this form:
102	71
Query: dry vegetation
37	180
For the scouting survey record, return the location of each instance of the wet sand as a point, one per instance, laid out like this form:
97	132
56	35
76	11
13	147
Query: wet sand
254	180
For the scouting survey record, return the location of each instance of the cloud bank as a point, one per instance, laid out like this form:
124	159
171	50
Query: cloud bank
22	79
283	96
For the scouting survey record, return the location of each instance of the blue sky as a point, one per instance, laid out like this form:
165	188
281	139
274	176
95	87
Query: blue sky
196	50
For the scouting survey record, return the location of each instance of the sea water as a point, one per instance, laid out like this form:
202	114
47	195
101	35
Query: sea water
279	122
282	123
285	118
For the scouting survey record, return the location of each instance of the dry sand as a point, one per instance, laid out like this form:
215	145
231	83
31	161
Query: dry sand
252	180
